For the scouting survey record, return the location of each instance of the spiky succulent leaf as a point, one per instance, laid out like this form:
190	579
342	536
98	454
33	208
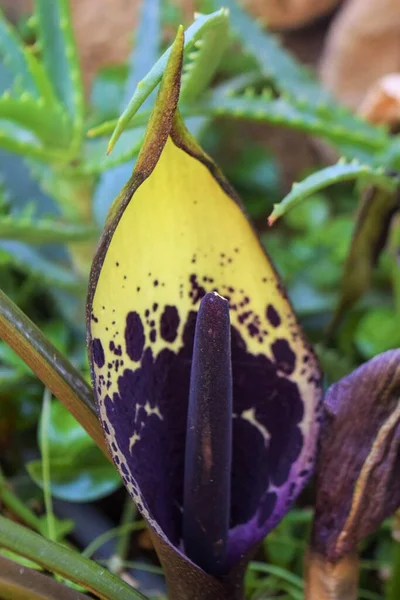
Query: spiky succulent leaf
60	56
323	178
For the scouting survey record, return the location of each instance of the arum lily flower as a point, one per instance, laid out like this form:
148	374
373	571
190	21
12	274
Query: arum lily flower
208	393
358	474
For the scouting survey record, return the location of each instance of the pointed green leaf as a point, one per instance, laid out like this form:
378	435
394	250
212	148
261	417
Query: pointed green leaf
60	55
289	113
202	63
319	180
42	81
149	82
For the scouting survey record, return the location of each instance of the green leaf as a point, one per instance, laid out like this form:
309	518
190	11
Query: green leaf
22	142
149	82
77	482
42	81
202	63
319	180
79	471
44	231
65	382
288	112
13	57
60	56
59	559
47	123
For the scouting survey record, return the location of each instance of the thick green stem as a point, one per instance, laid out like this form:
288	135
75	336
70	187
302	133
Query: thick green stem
58	559
128	517
393	587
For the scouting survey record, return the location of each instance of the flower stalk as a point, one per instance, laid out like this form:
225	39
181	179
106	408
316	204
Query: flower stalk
208	454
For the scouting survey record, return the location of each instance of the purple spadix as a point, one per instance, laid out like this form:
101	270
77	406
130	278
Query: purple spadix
208	456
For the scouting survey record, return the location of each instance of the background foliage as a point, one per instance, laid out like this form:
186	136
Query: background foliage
57	184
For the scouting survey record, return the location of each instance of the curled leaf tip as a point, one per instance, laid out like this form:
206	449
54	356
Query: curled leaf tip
209	438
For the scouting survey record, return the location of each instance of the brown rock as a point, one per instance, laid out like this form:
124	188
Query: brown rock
289	14
382	103
362	45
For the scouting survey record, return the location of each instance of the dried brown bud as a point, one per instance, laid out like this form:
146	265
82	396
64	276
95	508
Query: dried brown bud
358	477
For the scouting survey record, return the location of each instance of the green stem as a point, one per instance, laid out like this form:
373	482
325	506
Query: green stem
44	448
394	584
128	517
393	587
58	559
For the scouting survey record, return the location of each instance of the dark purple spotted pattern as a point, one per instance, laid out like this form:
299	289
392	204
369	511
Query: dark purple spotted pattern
134	336
169	323
148	413
98	353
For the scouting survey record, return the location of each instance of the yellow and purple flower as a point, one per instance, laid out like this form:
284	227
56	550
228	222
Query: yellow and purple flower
208	393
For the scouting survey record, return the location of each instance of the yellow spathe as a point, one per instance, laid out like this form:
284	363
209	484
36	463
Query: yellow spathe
179	235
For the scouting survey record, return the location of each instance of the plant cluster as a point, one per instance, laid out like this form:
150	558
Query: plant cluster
334	239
